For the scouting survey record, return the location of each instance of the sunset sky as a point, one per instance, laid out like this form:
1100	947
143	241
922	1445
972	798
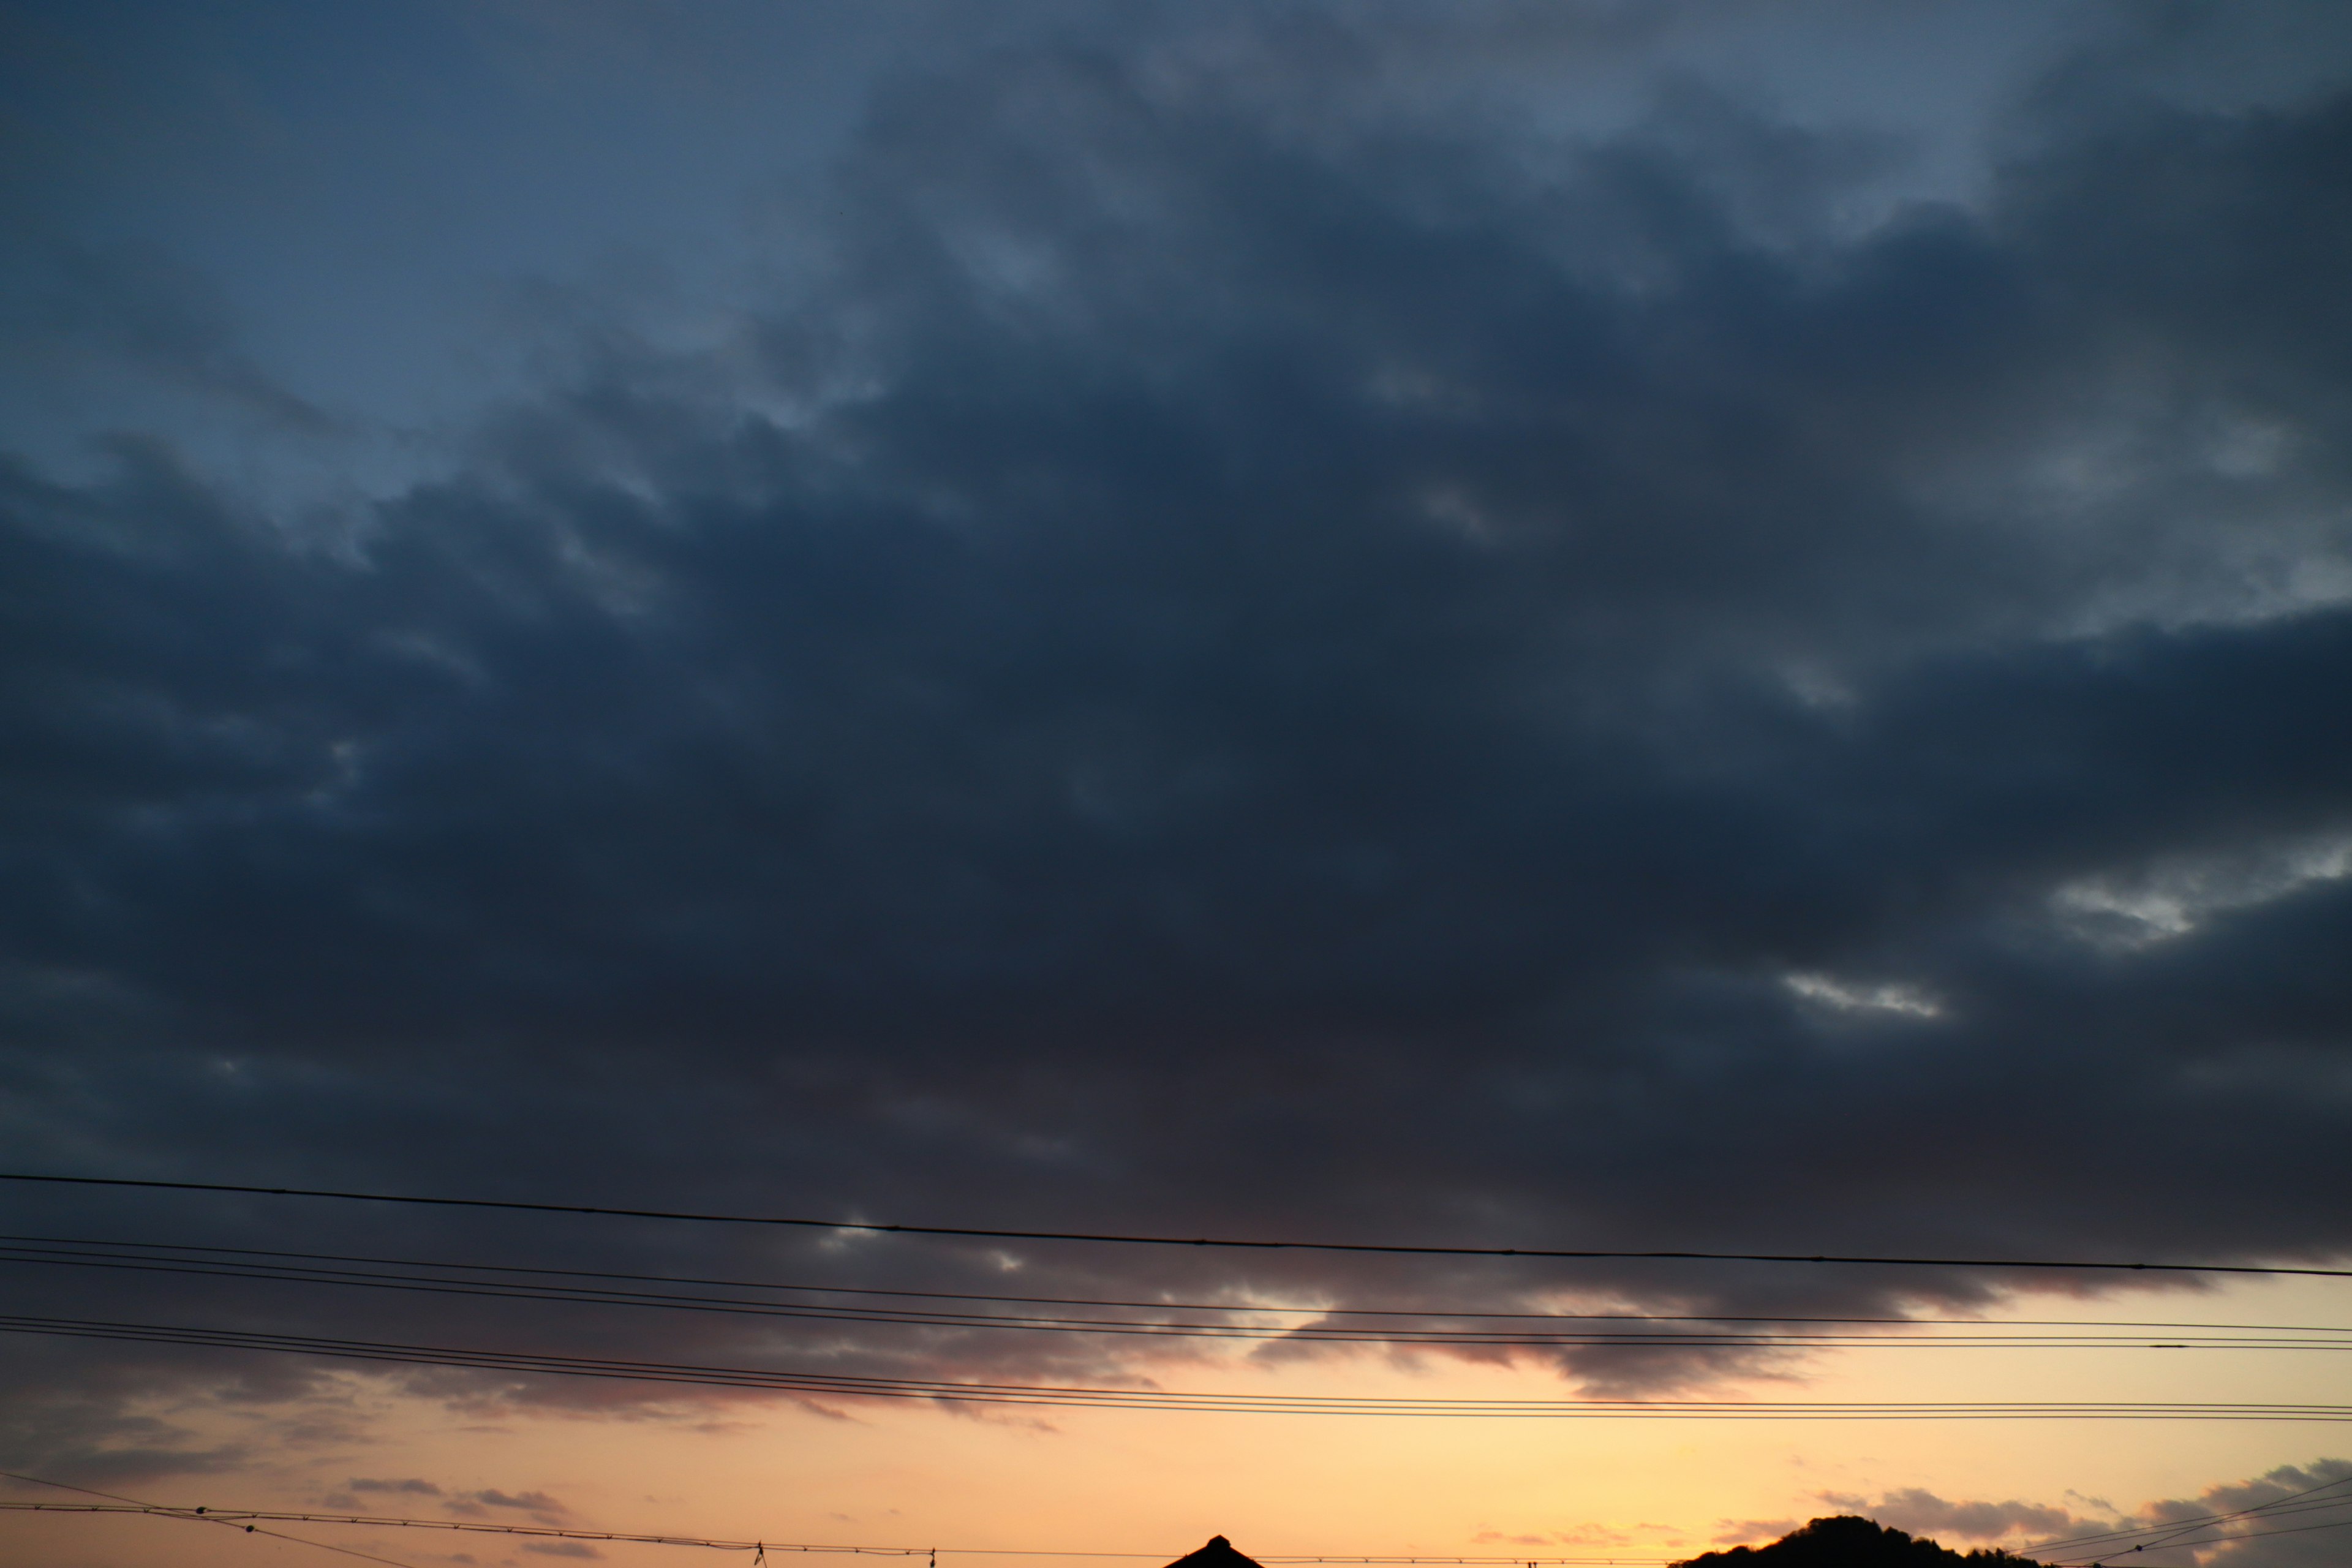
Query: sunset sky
1600	627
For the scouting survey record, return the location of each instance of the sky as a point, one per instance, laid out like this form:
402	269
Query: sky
1603	627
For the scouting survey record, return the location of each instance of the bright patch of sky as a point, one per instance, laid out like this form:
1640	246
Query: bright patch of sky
2177	895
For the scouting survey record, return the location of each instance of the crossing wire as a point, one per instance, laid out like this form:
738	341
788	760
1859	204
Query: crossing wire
170	1258
2169	1532
57	1248
848	1386
132	1505
247	1518
2094	1560
979	1233
557	1532
2161	1536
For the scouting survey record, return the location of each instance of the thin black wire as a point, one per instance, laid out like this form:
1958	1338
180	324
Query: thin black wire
849	1385
1165	1306
2123	1539
2092	1561
199	1515
232	1517
2158	1536
2201	1521
229	1515
569	1533
1130	1240
1681	1340
2147	1535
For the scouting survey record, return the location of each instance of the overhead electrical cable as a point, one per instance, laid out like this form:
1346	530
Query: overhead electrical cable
240	1515
132	1505
2142	1538
2149	1537
1987	1336
2201	1520
990	1234
246	1519
2096	1559
33	1244
1136	1397
564	1532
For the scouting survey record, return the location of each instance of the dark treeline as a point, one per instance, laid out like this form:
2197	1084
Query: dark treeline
1844	1540
1848	1541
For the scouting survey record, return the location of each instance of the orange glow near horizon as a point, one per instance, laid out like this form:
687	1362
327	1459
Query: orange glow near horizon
1159	1483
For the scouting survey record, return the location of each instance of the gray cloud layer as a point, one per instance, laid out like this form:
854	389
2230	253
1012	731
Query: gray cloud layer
1368	674
2308	1506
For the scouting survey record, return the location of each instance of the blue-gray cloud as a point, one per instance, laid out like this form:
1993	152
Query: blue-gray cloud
1228	668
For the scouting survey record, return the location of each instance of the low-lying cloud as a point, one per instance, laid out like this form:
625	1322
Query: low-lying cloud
2286	1517
1922	1512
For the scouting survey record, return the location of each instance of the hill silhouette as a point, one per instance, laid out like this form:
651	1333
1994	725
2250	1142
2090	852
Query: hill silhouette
1842	1540
1848	1541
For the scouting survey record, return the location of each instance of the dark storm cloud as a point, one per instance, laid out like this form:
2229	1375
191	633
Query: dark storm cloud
97	1442
1376	675
138	309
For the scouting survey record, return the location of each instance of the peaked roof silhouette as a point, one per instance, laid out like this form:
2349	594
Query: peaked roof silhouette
1218	1554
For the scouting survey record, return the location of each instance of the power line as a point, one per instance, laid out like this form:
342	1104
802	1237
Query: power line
239	1515
1241	1307
2149	1537
247	1518
132	1505
1131	1240
858	1386
2175	1336
2174	1545
2199	1520
2108	1542
832	1549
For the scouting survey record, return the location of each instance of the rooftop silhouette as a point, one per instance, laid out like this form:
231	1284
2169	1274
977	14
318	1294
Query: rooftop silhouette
1218	1554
